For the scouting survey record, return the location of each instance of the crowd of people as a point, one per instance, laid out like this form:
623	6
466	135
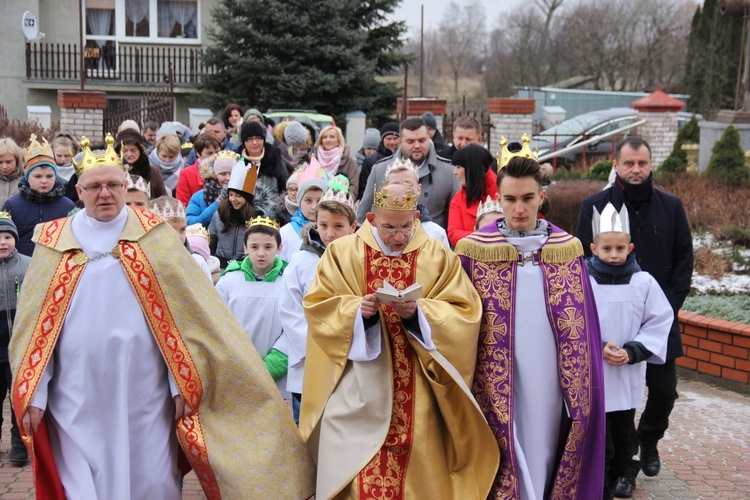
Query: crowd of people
436	334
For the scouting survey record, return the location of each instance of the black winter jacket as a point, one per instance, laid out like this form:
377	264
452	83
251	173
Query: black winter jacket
663	244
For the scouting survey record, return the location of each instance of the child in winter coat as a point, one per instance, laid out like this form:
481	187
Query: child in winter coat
12	270
253	288
313	182
334	218
635	318
167	158
215	172
41	196
11	168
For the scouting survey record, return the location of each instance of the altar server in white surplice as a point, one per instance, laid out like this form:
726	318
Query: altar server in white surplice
635	318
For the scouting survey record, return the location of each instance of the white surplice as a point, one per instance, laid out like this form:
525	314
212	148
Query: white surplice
106	391
537	395
290	242
255	305
638	311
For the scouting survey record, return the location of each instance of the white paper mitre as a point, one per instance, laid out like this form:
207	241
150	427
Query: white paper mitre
610	220
244	177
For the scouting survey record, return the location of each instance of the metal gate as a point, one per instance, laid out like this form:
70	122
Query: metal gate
156	106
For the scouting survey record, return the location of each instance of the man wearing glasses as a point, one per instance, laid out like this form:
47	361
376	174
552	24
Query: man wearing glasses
113	343
387	410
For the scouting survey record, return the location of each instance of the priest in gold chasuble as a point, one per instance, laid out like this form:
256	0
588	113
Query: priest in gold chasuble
387	410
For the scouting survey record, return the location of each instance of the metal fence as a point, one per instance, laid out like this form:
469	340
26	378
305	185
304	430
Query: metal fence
116	62
452	116
156	106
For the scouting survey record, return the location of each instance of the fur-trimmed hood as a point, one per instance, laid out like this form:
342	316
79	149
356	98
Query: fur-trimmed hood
206	169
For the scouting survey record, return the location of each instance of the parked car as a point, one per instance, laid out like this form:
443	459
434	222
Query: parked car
588	126
278	115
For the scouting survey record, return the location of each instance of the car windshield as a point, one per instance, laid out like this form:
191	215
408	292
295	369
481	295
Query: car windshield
574	126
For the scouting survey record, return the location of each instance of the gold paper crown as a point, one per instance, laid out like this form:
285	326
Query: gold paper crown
91	160
166	212
37	150
489	206
227	154
504	156
262	221
140	184
4	214
406	202
398	164
198	230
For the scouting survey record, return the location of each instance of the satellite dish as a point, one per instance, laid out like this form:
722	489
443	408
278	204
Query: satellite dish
30	25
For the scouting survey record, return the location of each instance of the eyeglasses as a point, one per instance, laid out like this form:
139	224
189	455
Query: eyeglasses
97	188
407	231
254	139
292	190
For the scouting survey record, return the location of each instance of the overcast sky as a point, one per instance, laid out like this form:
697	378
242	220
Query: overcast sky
409	10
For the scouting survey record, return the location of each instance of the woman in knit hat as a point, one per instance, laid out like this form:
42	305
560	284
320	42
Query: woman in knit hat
11	168
130	144
333	154
255	150
295	149
369	146
205	202
41	196
289	201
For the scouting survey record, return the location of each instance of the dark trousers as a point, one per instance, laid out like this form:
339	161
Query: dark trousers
661	381
619	442
6	385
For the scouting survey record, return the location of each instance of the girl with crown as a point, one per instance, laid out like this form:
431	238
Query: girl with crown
41	196
253	287
245	200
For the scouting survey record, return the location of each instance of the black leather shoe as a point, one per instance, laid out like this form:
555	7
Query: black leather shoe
18	455
650	463
624	487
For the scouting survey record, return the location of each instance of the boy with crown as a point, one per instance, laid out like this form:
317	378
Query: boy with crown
124	376
387	410
253	287
635	317
538	373
41	195
334	218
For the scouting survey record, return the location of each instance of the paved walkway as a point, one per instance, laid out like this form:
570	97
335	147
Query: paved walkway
705	454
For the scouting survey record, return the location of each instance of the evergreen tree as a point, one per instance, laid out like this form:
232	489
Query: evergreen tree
303	54
677	160
727	164
713	58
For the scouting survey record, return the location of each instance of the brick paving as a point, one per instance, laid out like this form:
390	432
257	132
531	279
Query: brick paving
705	454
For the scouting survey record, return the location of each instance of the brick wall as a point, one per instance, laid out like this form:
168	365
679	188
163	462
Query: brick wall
82	111
511	118
715	347
660	131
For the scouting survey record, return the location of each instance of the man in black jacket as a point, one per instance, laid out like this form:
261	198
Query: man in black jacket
663	246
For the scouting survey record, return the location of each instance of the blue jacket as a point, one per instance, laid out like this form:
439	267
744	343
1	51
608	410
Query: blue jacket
197	211
27	214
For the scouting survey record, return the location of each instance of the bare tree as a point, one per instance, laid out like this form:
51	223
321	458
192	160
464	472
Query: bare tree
461	36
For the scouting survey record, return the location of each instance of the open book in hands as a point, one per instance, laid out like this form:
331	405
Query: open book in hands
389	295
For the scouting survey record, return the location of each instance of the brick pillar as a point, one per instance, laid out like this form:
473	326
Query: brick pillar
660	130
511	118
416	106
82	111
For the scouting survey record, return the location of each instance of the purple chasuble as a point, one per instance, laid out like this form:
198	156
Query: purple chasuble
491	263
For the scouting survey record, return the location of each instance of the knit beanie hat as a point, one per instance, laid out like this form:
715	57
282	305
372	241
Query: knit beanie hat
429	119
224	163
372	138
390	128
129	124
252	112
252	129
38	155
295	134
8	226
292	179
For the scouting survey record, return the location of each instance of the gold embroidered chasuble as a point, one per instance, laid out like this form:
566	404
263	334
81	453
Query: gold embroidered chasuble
405	424
240	439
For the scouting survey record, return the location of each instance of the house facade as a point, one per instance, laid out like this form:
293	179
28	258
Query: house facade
130	47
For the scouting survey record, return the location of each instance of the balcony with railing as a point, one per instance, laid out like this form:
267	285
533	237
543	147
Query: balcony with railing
116	63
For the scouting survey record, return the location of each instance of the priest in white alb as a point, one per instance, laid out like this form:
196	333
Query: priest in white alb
127	374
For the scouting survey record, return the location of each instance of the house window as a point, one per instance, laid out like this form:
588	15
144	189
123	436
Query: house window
162	21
